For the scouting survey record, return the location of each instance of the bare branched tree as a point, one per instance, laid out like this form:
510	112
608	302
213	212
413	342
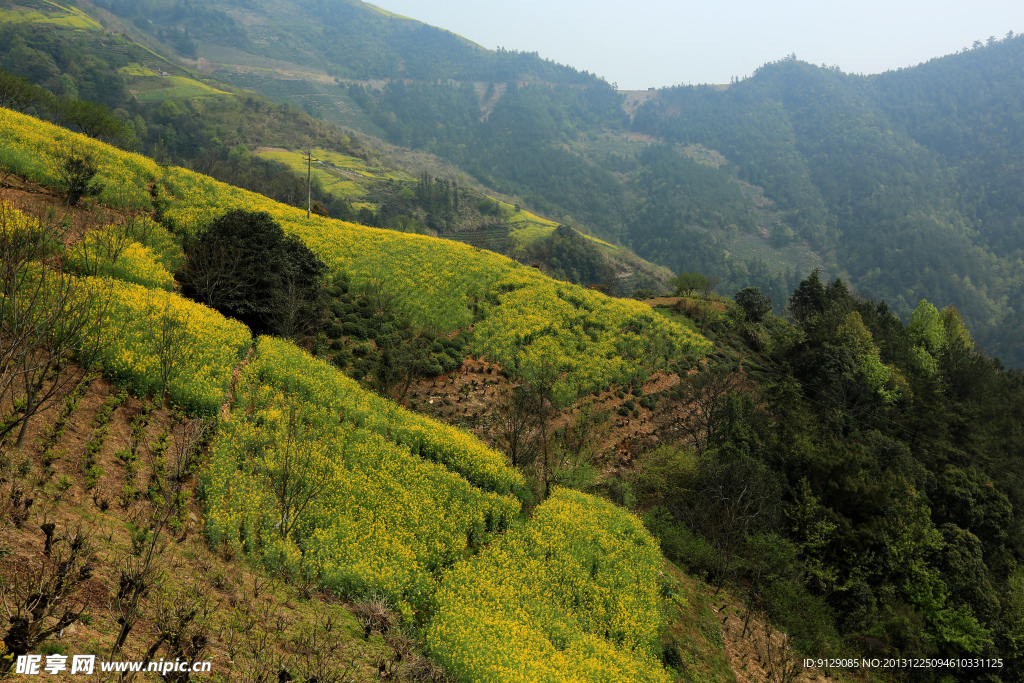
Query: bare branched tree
706	393
297	476
709	285
101	248
380	293
297	312
217	274
42	601
578	447
401	364
171	339
47	319
514	425
729	502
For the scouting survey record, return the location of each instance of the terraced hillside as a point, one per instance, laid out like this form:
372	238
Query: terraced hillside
312	477
525	321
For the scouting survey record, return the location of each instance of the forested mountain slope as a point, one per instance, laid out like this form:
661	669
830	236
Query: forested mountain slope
905	178
856	478
904	182
179	115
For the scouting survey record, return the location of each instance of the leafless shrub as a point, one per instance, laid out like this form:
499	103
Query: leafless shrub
16	505
251	646
322	655
261	583
101	248
47	319
374	614
189	436
40	601
137	577
419	669
183	627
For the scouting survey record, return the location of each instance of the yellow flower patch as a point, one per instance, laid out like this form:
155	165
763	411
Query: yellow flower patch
575	590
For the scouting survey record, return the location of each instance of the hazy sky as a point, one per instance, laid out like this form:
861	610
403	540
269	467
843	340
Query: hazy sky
645	43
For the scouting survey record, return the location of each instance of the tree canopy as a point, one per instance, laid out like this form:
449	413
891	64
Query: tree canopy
244	266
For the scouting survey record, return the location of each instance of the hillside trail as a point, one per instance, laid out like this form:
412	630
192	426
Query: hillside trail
225	408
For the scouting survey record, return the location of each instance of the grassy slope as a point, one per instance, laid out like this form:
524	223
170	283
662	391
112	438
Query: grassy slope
342	175
50	13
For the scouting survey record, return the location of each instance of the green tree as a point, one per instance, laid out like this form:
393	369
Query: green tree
19	93
244	266
856	338
754	303
76	175
912	544
809	298
93	119
926	328
1011	635
686	284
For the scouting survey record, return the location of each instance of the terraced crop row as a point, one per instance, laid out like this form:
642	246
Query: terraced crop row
307	477
571	595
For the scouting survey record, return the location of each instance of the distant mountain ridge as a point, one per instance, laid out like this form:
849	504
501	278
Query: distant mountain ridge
345	38
908	177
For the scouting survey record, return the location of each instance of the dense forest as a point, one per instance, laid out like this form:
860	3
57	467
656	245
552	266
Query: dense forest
864	171
908	201
862	479
520	146
351	40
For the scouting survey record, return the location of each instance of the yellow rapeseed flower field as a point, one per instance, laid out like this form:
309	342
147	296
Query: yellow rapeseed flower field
522	319
35	148
315	477
136	263
301	483
144	329
576	589
282	365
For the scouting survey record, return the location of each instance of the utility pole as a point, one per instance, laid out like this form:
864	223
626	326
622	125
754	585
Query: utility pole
308	158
